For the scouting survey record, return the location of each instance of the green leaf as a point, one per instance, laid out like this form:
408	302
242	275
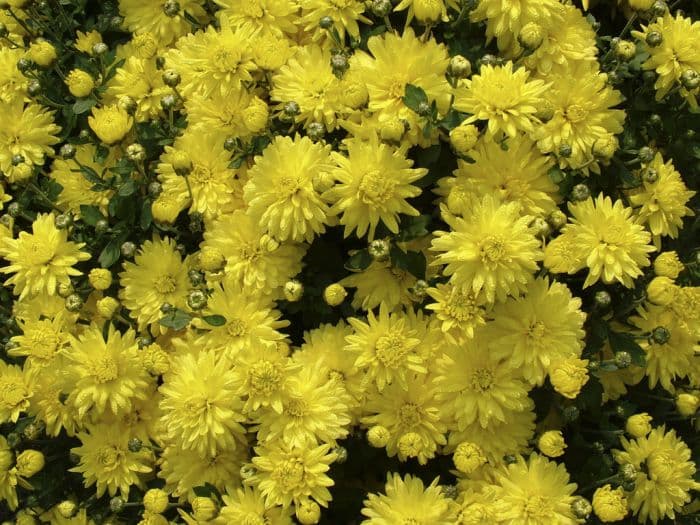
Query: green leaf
451	120
413	227
83	105
412	262
214	320
414	96
146	217
358	261
621	342
90	214
591	394
128	188
110	254
177	319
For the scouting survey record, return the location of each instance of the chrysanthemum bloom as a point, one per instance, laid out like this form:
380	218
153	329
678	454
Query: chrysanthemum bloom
200	408
345	15
505	18
307	79
40	342
474	386
395	61
287	475
402	410
220	115
77	190
106	374
281	193
568	376
676	54
427	11
15	392
49	401
552	444
664	474
315	410
8	475
276	17
140	79
149	17
582	101
667	264
517	174
110	123
380	283
209	185
385	346
603	237
536	492
247	505
661	205
534	330
250	259
492	251
407	500
609	504
42	260
107	462
184	469
156	276
507	99
373	183
672	359
13	84
84	42
458	312
27	131
213	59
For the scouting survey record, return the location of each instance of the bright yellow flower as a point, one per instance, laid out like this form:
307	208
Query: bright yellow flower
247	505
274	17
568	376
148	16
15	392
345	14
459	313
41	340
80	83
8	475
638	425
110	123
609	504
552	443
13	84
140	79
84	42
380	283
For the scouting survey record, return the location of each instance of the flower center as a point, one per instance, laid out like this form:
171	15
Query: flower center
226	59
409	415
288	186
661	465
613	235
105	369
108	457
12	394
40	252
43	343
391	349
482	380
264	377
236	328
375	188
165	284
249	252
536	330
575	113
289	474
296	408
492	249
461	307
397	89
538	507
200	174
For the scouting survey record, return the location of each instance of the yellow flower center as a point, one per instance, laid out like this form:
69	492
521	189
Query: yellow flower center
536	330
614	235
296	408
43	342
12	394
236	328
198	404
165	284
108	457
264	377
289	474
409	415
375	188
482	380
200	174
252	519
461	307
538	507
492	249
397	88
226	59
575	113
249	252
104	369
391	349
288	186
661	465
411	521
40	252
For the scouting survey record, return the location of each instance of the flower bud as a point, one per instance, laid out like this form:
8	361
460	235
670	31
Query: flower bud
381	8
136	152
667	264
654	39
315	131
638	425
608	504
308	512
181	162
196	299
687	404
568	376
605	148
580	192
570	413
325	22
171	8
29	462
690	79
650	175
334	294
531	36
171	78
107	306
339	64
67	151
155	500
627	471
128	249
80	83
63	221
101	226
203	509
622	359
168	102
661	290
557	219
459	67
291	109
565	150
255	116
74	303
552	444
660	335
211	259
66	508
100	48
468	457
463	138
116	504
379	249
378	436
625	50
293	290
100	278
392	130
658	8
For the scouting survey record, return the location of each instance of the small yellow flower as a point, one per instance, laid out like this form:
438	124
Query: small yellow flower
687	404
334	294
552	444
100	278
638	425
110	123
29	462
608	504
155	500
86	41
569	376
468	457
667	264
661	290
42	52
203	508
463	138
107	306
80	83
255	115
378	436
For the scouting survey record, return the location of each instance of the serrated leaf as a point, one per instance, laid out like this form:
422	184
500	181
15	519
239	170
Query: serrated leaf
621	342
413	227
414	96
412	262
358	261
214	320
110	253
83	105
177	319
90	214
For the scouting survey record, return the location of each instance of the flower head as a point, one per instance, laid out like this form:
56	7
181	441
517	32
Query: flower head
110	123
15	392
246	506
149	17
609	504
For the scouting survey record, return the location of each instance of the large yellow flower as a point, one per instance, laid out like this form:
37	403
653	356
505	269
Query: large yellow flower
148	16
41	340
281	190
492	251
15	392
458	312
345	14
380	283
247	505
140	79
262	16
664	474
42	260
13	83
508	100
373	183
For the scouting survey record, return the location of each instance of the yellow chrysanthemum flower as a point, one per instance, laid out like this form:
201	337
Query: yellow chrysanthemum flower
8	475
459	313
213	60
402	411
49	401
107	462
156	276
380	283
536	492
582	101
385	347
345	14
407	500
286	474
281	190
220	115
15	392
247	505
427	11
140	79
662	204
474	386
201	410
610	504
664	474
516	174
40	342
26	132
602	237
492	251
149	16
507	99
84	42
42	260
13	84
535	330
676	54
373	183
106	374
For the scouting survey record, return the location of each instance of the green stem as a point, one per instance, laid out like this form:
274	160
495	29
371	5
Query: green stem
462	14
599	482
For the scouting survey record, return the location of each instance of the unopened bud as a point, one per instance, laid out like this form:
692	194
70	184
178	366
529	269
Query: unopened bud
660	335
580	192
379	249
654	39
293	290
459	67
196	299
171	8
690	79
171	78
74	303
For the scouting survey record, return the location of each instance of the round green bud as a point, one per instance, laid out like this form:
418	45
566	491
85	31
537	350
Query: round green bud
580	192
602	299
74	303
171	78
565	150
135	444
315	131
645	154
628	472
34	88
128	249
660	335
654	39
291	109
581	508
63	221
168	102
326	22
166	308
459	67
570	413
101	226
650	176
381	8
136	152
154	189
196	299
67	151
171	8
623	359
116	504
379	249
14	209
690	79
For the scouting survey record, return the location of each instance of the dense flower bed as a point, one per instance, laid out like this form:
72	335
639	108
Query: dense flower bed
418	262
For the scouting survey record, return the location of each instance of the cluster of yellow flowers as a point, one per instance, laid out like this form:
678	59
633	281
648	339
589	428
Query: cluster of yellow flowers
182	369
